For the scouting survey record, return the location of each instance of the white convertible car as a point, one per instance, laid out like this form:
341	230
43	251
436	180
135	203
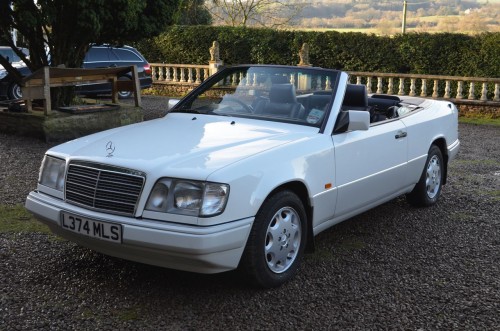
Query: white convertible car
245	171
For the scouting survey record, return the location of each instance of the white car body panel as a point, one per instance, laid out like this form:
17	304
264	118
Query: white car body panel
339	174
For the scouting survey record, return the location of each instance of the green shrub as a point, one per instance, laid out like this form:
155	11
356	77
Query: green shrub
419	53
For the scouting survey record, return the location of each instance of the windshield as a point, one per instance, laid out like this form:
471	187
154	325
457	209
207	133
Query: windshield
285	94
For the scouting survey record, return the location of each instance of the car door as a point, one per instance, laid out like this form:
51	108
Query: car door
370	166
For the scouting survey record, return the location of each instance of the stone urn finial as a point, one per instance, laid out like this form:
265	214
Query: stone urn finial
214	52
304	55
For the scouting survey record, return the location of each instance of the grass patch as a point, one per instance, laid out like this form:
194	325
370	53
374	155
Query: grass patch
16	219
352	244
129	314
321	254
479	120
461	216
486	162
495	194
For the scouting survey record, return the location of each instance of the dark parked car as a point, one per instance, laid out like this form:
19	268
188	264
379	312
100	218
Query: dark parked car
97	57
11	56
7	87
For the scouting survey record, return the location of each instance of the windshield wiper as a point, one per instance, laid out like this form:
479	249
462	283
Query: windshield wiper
187	111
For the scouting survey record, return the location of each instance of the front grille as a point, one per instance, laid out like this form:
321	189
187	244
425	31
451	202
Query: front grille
104	188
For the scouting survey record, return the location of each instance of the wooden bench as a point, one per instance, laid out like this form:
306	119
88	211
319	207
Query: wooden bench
38	84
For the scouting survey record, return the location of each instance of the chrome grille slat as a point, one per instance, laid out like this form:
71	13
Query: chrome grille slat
104	188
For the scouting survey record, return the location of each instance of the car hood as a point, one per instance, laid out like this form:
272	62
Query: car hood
184	145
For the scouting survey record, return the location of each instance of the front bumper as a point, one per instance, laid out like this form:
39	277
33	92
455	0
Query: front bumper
208	249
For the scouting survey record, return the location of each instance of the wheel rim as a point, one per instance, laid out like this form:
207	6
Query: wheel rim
283	238
124	94
17	92
433	180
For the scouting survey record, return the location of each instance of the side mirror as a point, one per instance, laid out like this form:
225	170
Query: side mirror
172	103
358	120
352	120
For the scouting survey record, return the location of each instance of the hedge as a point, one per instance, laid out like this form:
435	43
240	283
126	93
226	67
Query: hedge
419	53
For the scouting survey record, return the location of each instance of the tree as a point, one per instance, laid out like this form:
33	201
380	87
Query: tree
193	12
60	32
266	13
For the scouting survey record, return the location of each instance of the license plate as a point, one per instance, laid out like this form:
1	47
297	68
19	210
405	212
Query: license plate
92	228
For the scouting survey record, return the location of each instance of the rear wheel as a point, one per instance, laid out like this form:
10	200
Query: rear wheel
124	94
428	188
277	240
14	91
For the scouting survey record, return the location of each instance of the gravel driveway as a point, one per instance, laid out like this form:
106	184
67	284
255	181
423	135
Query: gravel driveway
394	267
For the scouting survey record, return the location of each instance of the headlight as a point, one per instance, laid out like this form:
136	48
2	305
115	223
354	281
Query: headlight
187	197
3	73
52	173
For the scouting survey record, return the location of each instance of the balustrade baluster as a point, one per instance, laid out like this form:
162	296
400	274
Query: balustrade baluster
447	90
412	87
155	74
159	73
390	86
435	90
168	77
205	73
318	83
423	93
198	78
327	83
190	75
175	79
497	92
358	80
380	85
369	84
401	86
460	89
255	83
484	92
471	91
183	75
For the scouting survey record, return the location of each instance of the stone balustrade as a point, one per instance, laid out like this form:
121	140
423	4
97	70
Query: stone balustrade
430	86
183	74
179	79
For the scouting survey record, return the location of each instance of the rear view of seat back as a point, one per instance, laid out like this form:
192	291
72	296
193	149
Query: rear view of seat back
355	98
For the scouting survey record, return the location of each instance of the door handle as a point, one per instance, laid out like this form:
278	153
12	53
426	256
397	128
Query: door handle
401	134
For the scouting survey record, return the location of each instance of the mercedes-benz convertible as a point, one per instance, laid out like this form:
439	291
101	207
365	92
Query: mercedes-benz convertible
245	171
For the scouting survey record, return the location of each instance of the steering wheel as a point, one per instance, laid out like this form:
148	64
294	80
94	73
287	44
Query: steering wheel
243	105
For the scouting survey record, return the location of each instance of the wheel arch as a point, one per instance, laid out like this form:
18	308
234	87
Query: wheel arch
441	144
300	189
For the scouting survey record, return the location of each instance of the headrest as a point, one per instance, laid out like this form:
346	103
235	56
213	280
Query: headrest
355	96
282	93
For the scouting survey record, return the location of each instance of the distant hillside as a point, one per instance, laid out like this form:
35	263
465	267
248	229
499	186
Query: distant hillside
385	17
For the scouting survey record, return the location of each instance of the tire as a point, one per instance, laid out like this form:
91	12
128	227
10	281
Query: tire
276	242
124	94
428	189
14	91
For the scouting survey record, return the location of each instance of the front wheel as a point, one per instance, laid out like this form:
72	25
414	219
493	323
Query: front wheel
14	91
277	240
428	188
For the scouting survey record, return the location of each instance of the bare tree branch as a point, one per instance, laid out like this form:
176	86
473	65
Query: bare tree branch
265	13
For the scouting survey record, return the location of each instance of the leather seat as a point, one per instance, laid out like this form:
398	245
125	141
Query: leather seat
282	102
